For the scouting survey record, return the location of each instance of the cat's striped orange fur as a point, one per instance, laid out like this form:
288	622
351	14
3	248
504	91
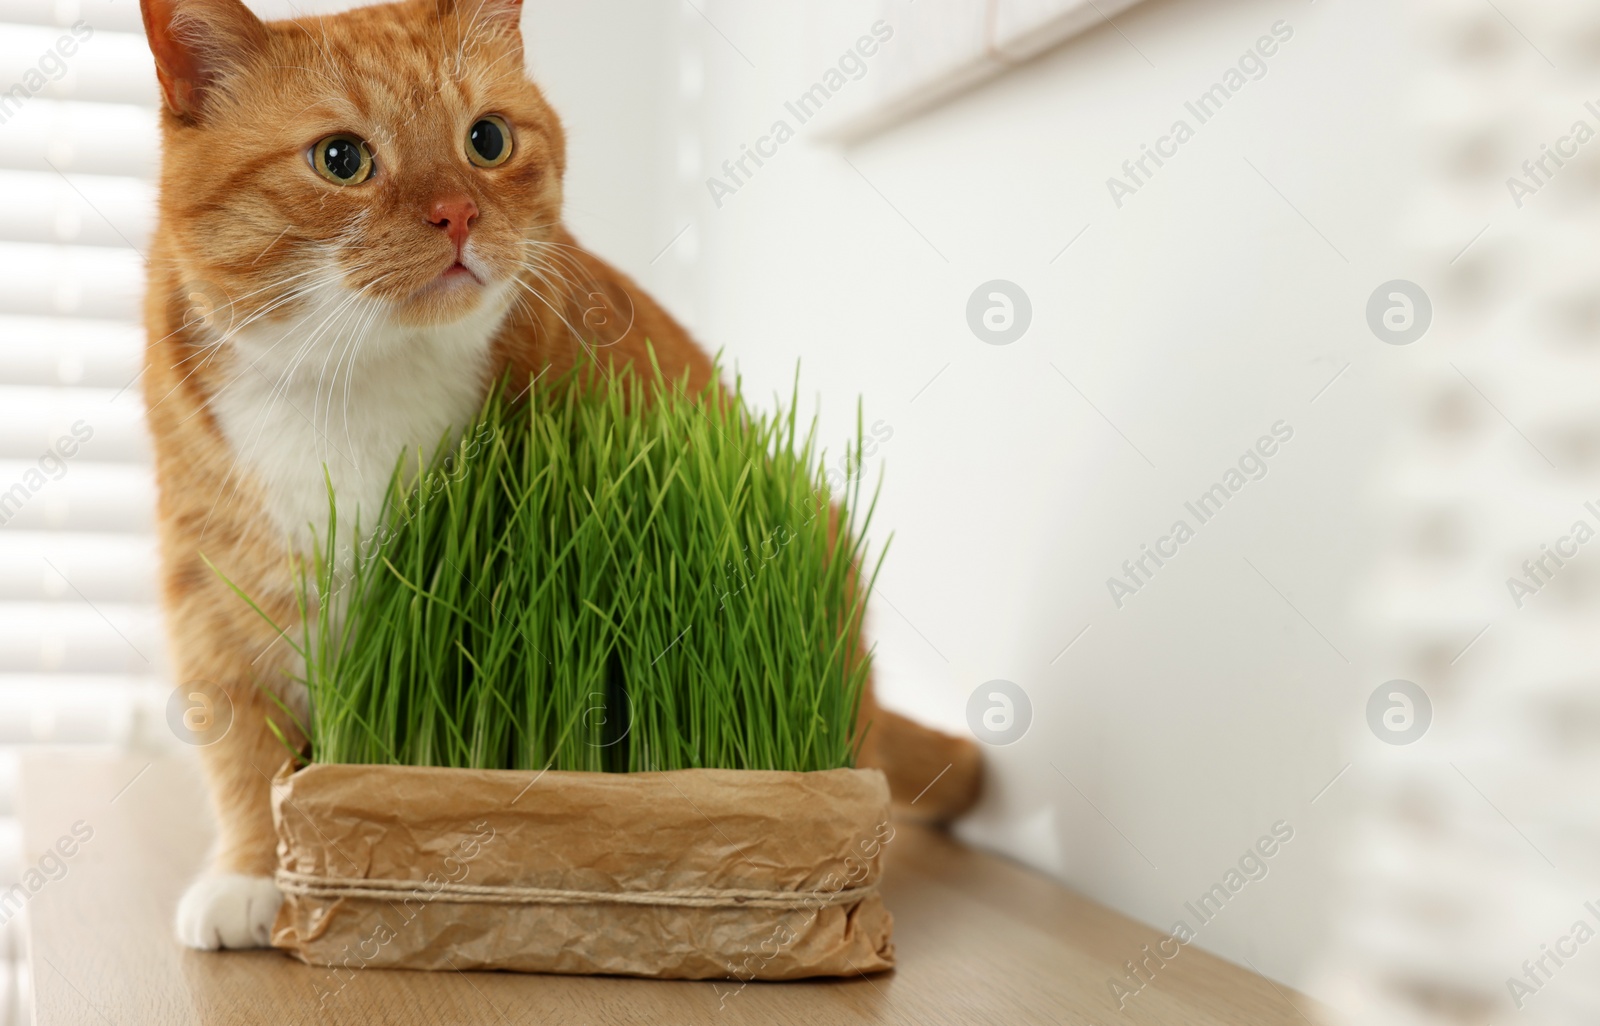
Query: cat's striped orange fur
297	322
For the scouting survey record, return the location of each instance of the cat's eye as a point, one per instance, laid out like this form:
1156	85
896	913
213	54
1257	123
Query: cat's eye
342	160
489	141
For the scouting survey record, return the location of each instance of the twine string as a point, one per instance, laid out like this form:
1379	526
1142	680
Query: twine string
313	886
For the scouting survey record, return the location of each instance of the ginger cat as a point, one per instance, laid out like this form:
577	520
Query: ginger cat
360	228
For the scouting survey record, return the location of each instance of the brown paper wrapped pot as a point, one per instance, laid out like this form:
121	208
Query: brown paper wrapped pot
689	874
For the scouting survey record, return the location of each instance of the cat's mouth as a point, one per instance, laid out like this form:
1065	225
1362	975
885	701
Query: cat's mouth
455	290
459	271
457	278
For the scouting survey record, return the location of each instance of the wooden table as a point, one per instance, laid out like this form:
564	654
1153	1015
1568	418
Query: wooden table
979	940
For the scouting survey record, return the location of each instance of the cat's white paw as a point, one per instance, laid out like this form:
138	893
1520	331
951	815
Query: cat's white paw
228	910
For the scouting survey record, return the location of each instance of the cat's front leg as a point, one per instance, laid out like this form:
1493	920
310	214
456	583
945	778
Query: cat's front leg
234	901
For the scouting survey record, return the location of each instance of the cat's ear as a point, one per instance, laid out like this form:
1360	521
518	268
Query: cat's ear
501	14
195	43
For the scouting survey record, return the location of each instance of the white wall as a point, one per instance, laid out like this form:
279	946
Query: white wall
1194	317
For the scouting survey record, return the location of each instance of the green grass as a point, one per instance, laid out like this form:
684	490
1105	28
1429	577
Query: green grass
605	574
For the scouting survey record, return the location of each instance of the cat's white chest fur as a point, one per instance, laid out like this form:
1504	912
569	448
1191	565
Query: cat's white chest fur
349	397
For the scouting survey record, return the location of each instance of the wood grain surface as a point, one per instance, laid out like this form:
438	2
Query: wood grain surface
979	940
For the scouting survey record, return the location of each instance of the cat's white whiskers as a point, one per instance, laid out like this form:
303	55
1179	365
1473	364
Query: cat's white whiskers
361	316
328	323
366	362
561	317
214	349
552	256
302	350
573	282
375	306
209	348
257	432
318	411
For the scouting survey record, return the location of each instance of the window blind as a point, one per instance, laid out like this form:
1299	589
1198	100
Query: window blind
82	660
1470	854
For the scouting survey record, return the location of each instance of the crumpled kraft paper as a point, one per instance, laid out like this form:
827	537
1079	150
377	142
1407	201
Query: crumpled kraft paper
688	874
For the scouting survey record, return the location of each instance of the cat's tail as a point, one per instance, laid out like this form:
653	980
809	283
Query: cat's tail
932	776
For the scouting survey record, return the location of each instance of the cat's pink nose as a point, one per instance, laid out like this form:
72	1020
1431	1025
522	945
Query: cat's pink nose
455	215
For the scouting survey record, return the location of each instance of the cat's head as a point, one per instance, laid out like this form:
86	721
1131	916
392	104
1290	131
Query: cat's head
396	156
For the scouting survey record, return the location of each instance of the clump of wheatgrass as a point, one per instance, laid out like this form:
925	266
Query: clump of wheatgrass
604	573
